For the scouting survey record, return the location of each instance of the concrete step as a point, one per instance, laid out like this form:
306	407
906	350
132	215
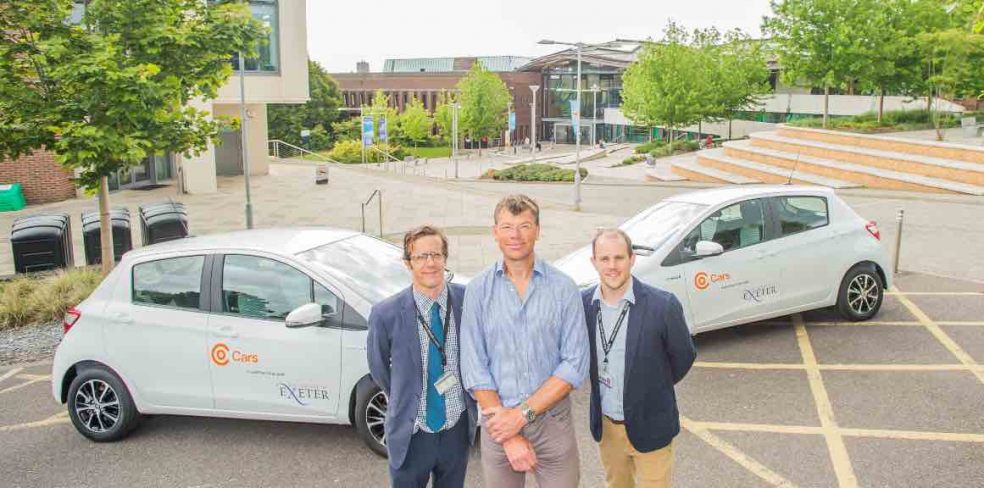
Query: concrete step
948	169
936	149
694	171
717	159
868	176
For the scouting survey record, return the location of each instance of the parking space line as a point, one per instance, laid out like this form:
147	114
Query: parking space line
936	293
835	443
941	336
844	431
835	367
914	435
765	428
868	323
960	323
736	455
58	418
10	373
31	379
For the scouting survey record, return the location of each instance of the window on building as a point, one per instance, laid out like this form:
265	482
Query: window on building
268	60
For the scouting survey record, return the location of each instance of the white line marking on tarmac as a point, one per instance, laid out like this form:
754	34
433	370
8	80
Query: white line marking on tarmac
10	373
58	418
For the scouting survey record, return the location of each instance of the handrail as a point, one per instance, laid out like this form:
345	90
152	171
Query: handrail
384	153
378	194
277	143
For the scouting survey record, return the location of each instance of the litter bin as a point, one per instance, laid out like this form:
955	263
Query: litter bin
91	235
163	221
41	242
321	174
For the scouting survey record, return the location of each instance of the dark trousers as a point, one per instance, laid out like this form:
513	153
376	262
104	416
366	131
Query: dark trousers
443	455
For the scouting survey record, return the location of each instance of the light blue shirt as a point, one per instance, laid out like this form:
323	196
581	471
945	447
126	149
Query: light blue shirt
513	346
611	397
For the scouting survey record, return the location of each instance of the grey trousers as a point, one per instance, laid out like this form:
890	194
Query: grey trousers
552	436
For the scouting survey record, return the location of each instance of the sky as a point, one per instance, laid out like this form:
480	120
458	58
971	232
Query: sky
342	33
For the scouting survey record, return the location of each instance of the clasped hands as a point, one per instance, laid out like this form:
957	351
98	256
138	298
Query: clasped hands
503	425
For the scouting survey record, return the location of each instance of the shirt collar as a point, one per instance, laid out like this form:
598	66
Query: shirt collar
629	295
424	302
538	267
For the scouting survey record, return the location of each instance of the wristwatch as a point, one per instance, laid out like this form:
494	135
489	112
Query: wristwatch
528	413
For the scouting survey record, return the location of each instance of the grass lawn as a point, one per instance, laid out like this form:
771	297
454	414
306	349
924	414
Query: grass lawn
429	152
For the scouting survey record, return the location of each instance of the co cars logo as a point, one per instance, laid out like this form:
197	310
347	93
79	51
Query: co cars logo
701	281
220	354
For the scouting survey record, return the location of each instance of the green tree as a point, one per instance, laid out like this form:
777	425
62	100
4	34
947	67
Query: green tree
955	60
737	75
109	89
668	83
821	42
484	103
285	122
347	130
443	115
416	123
378	108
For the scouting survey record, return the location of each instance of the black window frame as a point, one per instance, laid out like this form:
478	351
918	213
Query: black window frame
676	256
774	205
203	284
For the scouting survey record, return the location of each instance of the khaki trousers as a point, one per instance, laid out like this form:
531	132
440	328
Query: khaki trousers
552	436
625	467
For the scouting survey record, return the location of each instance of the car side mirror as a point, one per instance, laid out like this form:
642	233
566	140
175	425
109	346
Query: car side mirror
708	248
641	250
305	316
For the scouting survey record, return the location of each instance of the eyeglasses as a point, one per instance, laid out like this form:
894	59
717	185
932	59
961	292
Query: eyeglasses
522	228
427	256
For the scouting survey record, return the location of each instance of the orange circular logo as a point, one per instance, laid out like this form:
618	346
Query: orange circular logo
701	281
220	354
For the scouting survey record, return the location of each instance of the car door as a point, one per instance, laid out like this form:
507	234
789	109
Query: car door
258	365
739	284
157	330
808	257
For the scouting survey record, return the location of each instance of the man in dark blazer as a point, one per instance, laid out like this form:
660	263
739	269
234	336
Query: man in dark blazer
640	348
414	356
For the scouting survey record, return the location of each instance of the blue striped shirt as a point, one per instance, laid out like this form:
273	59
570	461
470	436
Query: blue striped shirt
513	346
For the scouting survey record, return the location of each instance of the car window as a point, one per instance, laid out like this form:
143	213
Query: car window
327	300
798	214
733	227
172	282
259	287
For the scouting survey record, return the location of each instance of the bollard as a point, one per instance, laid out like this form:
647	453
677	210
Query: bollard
898	239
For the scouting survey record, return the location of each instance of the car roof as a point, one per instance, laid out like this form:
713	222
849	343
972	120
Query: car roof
716	196
284	241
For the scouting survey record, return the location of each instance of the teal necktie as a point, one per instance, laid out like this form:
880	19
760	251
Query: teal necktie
436	415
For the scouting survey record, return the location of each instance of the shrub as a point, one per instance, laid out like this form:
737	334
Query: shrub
633	159
44	298
892	121
350	152
649	146
534	172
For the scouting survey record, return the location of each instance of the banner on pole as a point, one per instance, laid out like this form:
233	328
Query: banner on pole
383	136
575	114
512	121
367	130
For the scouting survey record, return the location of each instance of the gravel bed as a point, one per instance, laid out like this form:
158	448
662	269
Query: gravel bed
30	343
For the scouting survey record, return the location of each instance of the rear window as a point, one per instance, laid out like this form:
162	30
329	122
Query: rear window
172	282
800	214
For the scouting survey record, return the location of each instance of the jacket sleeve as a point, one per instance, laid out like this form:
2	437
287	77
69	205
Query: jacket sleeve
678	343
378	349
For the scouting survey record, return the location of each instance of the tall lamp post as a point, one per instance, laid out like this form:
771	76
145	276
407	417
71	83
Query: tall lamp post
243	116
454	136
594	112
577	133
533	88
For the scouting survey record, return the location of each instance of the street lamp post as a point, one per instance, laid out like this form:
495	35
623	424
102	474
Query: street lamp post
243	140
454	137
577	133
534	88
594	112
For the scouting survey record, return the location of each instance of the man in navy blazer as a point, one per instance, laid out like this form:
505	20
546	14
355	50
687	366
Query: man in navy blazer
414	357
640	347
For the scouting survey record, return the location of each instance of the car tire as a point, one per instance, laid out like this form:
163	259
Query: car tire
100	406
861	293
370	411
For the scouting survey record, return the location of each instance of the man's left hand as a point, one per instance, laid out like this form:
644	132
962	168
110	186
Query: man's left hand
504	424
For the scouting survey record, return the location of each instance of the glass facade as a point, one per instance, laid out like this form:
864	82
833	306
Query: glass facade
601	87
268	61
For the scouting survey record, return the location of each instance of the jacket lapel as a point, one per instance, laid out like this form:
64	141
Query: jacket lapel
408	329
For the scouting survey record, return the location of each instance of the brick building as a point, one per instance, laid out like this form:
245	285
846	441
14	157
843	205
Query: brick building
42	179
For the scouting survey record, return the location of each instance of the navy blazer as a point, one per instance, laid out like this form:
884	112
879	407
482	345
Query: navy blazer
396	365
659	352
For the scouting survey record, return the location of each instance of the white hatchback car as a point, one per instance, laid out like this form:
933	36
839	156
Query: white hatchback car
263	324
736	255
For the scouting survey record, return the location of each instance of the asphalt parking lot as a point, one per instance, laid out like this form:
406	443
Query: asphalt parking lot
799	401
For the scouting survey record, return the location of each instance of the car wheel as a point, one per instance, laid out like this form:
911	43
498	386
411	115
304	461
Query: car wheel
100	405
861	293
370	414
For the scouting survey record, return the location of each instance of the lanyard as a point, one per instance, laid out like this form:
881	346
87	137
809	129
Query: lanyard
430	334
606	344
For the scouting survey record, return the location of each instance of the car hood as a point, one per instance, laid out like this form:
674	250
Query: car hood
578	266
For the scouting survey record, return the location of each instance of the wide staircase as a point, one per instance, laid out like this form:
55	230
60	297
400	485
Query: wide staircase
841	160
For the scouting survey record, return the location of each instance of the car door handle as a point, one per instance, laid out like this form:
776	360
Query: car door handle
674	277
226	332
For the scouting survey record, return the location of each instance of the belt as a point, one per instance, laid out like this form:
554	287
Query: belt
616	422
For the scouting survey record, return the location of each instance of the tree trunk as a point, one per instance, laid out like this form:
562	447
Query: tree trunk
826	105
881	103
729	128
105	227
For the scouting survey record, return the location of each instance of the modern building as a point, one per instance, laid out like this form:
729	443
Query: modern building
278	75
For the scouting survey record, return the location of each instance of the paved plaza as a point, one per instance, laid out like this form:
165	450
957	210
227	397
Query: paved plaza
807	400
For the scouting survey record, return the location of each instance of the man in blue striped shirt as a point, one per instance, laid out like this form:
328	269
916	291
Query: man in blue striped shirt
524	348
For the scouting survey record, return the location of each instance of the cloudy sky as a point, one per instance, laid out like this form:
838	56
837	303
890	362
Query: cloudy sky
343	33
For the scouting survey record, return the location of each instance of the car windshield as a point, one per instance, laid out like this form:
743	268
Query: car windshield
372	268
655	225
